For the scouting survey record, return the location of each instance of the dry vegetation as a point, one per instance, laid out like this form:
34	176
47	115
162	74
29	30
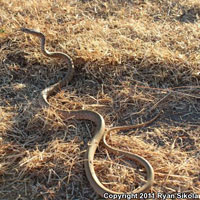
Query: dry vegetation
132	58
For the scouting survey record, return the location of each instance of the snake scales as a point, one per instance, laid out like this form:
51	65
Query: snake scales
99	133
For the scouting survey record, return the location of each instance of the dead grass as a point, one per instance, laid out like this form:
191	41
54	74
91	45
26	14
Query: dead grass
131	58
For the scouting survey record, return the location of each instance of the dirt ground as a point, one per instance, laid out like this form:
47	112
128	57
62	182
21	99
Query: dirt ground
132	60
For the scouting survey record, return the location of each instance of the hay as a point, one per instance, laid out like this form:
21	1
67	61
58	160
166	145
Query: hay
132	58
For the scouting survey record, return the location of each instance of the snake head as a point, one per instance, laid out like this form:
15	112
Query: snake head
26	30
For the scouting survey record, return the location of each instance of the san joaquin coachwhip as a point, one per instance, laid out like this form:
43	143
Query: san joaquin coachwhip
98	120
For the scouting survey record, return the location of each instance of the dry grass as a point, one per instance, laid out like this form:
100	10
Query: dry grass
129	56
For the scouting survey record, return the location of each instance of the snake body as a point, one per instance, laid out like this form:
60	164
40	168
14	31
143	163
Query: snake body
99	133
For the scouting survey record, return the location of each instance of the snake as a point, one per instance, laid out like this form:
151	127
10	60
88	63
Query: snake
100	131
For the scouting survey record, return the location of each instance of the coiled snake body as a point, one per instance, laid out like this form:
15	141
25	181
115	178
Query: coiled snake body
99	132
